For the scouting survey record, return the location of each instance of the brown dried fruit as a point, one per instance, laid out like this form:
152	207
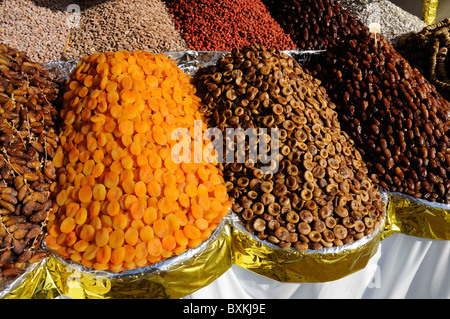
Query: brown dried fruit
401	127
27	142
320	176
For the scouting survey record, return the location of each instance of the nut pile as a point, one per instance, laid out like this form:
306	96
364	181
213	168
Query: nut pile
315	24
122	200
37	27
394	21
222	25
320	196
115	25
398	120
27	145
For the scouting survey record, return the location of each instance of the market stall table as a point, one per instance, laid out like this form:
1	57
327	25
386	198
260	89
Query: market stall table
404	267
405	254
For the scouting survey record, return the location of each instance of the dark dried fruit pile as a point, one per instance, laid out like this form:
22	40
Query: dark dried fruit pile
398	120
315	24
320	195
27	144
427	51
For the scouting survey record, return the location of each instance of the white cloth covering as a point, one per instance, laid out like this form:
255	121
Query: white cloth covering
404	267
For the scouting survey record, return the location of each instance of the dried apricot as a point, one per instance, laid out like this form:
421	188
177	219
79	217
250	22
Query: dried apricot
122	200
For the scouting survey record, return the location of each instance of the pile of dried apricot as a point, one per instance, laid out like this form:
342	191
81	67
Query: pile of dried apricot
122	200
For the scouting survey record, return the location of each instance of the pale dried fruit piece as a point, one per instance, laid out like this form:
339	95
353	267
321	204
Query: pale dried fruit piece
37	256
340	232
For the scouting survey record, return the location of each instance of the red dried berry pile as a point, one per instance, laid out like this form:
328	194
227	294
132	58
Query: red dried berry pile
223	25
315	24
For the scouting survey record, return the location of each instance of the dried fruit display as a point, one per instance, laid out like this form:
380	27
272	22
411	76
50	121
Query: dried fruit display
427	50
115	25
222	25
398	120
123	201
315	24
393	20
320	195
28	142
38	27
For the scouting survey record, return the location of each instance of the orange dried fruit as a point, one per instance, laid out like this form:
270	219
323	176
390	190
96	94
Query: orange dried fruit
122	201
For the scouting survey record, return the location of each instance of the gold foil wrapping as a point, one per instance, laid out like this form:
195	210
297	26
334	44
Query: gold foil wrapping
404	215
292	266
230	244
430	11
170	279
417	217
27	284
